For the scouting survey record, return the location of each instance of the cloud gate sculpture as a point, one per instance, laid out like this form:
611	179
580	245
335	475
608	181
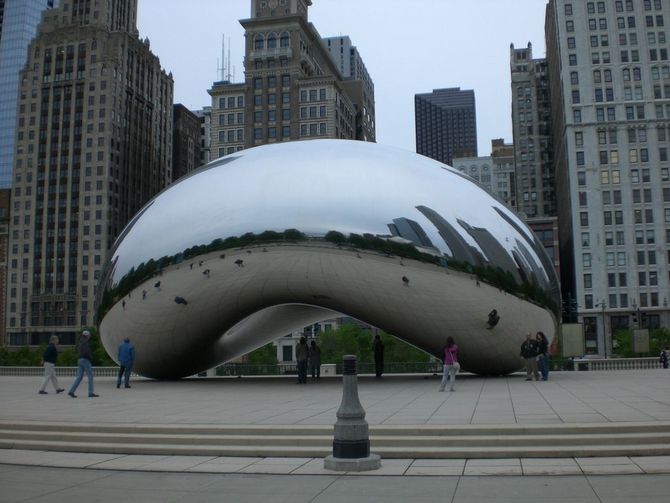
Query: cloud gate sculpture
268	240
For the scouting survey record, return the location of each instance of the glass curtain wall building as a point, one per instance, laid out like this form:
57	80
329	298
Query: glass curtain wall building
18	26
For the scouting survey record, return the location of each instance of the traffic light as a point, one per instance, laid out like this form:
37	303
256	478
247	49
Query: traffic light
634	317
643	320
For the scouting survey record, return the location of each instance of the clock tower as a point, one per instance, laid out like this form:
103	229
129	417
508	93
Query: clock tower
278	8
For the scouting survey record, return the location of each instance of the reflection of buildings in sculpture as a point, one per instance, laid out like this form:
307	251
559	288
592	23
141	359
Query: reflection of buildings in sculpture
533	242
459	248
531	263
493	251
410	230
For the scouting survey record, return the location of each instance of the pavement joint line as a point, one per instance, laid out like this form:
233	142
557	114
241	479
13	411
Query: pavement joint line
472	469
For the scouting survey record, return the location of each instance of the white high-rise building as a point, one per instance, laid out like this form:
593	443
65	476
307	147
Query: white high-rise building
610	90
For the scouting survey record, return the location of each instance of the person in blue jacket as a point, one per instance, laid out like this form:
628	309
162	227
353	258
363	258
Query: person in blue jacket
126	358
49	361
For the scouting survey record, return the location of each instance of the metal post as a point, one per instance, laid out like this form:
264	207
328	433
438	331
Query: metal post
351	445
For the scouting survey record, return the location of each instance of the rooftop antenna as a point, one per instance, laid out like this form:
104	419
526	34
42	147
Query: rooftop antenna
228	75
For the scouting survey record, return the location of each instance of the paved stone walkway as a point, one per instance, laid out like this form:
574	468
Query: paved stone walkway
48	485
568	397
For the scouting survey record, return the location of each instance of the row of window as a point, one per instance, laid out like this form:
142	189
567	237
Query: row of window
612	156
633	135
232	102
619	6
640	216
271	81
651	301
617	238
270	41
612	259
645	278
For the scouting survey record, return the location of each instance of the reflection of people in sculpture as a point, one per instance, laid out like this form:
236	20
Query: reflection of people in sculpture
378	349
180	300
493	319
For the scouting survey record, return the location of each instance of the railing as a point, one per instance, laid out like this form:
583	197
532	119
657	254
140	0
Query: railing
616	363
248	369
60	371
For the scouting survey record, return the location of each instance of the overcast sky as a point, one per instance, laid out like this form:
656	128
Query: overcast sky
408	46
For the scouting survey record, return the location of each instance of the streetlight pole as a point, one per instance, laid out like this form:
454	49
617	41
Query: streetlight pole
602	305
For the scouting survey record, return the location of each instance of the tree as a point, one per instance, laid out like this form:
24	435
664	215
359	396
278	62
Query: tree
266	355
351	339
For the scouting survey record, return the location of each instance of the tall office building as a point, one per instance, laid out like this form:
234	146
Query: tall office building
205	117
610	100
293	90
446	124
531	125
94	143
185	142
5	207
18	25
351	65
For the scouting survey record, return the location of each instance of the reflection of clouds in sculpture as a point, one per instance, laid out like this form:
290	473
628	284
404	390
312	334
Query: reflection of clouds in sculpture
326	224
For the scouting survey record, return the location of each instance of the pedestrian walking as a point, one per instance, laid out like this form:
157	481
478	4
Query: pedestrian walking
665	357
378	352
315	360
529	354
542	355
84	360
450	363
126	357
49	359
301	356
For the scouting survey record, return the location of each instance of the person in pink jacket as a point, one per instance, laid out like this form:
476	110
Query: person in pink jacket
451	365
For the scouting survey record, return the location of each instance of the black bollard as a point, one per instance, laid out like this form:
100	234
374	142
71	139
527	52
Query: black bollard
351	444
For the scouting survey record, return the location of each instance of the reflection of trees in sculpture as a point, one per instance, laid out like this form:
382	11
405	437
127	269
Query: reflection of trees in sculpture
495	276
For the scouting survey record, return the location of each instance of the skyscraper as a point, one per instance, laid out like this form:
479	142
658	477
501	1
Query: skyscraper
351	65
531	124
186	139
18	25
610	92
94	143
293	89
446	124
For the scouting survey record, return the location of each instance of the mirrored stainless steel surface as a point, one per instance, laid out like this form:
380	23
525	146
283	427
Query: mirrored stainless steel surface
265	241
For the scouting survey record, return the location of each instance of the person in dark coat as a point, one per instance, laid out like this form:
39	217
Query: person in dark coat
315	360
49	362
378	350
542	355
85	357
529	354
301	356
126	358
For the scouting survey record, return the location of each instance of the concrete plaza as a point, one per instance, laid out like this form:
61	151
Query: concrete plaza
568	397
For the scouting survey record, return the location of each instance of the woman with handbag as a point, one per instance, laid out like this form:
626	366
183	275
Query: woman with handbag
451	365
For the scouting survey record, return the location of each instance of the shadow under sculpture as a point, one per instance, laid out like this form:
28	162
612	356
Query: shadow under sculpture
295	233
